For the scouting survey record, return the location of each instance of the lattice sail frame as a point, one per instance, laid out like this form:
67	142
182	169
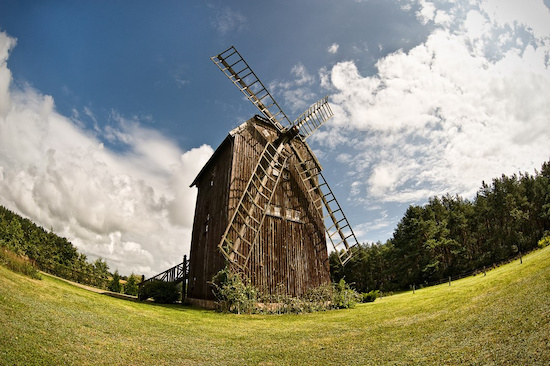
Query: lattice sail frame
245	225
329	209
248	83
243	229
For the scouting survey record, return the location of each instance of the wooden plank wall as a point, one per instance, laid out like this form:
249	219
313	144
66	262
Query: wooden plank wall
209	224
291	255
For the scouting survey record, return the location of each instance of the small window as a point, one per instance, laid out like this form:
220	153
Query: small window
272	210
289	214
212	177
206	223
292	215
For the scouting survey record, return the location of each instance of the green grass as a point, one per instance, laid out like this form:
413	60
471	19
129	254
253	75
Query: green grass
500	318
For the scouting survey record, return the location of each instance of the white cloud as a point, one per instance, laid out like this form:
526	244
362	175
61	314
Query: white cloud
466	105
528	13
297	93
133	208
228	20
333	48
302	75
426	12
6	44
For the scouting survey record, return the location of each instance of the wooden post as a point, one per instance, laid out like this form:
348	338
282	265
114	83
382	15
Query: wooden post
449	280
413	288
184	282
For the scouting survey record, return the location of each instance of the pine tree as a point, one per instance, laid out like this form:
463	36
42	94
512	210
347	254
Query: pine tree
131	286
114	285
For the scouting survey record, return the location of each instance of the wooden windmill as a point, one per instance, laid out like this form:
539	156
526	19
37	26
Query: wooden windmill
263	205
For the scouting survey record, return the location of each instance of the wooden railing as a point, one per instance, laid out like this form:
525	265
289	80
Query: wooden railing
178	273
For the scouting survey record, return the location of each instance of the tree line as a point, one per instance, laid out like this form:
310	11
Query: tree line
451	235
58	256
444	238
49	252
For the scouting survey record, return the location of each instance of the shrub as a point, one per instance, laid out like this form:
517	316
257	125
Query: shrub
131	286
18	264
370	296
544	242
344	296
237	296
320	298
161	291
114	285
233	294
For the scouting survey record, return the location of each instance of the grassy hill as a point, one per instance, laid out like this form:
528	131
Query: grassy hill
500	318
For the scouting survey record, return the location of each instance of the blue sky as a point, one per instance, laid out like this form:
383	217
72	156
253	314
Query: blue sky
109	109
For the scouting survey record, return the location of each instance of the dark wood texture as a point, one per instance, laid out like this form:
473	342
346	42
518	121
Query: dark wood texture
290	254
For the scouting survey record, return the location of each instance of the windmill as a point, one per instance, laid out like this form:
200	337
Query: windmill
264	206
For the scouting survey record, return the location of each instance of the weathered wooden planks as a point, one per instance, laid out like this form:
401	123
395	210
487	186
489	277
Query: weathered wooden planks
290	253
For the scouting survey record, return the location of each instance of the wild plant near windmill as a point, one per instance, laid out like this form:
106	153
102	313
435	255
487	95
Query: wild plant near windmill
237	296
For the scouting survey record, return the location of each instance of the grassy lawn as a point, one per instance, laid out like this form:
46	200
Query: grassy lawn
500	318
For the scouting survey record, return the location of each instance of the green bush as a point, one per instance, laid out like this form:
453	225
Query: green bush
320	298
18	264
233	294
131	286
237	296
544	242
161	291
370	296
344	296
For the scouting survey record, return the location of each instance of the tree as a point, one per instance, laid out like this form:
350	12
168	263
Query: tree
100	271
131	286
114	285
15	237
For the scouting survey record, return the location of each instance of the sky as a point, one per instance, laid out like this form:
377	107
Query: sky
108	110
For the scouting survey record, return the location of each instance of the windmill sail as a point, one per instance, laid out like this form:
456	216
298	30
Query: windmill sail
337	226
313	118
338	229
248	83
244	227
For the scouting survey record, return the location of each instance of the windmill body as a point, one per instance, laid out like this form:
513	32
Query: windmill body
263	207
289	252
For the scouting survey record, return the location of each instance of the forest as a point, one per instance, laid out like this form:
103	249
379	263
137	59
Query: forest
451	236
48	251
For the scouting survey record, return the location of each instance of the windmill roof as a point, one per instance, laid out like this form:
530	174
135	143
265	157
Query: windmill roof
214	156
228	139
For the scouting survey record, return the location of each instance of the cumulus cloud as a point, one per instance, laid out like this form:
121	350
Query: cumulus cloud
466	105
426	12
133	208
